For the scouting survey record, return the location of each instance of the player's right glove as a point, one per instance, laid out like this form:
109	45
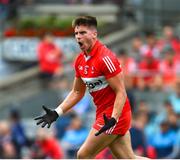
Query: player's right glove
108	123
48	118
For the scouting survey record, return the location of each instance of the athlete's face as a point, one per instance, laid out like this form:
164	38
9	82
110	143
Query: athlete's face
85	36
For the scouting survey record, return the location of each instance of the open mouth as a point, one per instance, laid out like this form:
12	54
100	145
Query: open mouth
80	44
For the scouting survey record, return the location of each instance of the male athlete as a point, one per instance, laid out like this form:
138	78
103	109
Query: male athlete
98	69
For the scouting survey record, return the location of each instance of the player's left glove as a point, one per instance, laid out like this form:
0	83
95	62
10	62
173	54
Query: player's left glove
108	123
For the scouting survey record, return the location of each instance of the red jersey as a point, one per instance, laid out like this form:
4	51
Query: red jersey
51	148
169	70
49	57
149	67
94	70
129	65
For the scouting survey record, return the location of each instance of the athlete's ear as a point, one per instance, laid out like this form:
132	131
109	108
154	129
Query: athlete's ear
95	34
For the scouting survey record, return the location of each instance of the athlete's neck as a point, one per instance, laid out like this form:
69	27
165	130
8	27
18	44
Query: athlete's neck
87	52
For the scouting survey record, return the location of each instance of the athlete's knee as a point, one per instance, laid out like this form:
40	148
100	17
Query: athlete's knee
82	154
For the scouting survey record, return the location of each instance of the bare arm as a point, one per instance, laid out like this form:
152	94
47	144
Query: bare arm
117	84
74	96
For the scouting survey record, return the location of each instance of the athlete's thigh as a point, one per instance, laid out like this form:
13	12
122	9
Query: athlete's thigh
94	144
121	147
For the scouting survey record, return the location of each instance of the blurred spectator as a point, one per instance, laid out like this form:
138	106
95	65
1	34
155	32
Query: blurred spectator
169	66
170	39
176	149
150	45
164	140
48	146
128	63
74	137
139	143
8	151
148	69
153	125
50	59
165	112
36	152
7	145
17	131
174	97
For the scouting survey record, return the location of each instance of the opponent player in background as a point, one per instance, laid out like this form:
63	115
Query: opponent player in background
98	69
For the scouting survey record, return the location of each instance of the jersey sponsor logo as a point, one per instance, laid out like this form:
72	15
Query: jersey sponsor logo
95	84
109	64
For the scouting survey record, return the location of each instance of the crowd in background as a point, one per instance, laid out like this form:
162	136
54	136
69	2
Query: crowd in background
151	69
153	66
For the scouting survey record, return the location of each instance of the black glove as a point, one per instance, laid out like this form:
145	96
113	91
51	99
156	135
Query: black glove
47	118
108	123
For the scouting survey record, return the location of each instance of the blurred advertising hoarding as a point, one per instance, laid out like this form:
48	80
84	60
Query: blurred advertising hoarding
25	49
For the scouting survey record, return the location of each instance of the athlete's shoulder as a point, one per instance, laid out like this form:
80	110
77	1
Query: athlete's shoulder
106	53
109	63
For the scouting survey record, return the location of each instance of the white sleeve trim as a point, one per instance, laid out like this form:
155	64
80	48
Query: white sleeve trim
109	64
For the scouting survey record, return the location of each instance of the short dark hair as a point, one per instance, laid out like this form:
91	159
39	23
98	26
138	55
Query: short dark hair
85	20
